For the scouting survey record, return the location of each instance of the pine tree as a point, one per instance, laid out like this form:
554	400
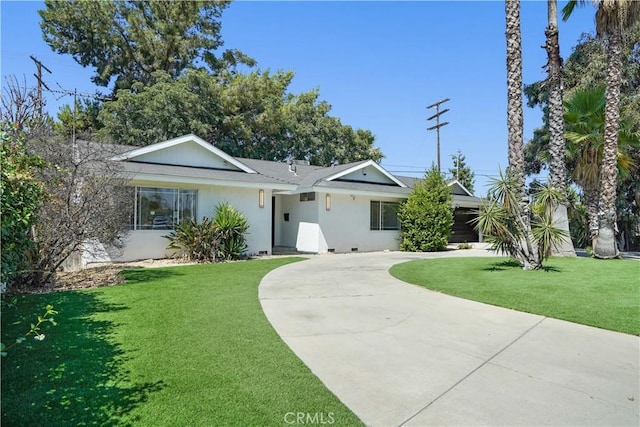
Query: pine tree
461	171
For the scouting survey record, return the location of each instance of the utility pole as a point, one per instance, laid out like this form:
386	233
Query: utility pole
438	124
38	76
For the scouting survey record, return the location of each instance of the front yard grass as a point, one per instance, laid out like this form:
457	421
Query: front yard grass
604	294
173	346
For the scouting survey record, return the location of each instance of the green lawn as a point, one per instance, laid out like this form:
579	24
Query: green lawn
173	346
604	294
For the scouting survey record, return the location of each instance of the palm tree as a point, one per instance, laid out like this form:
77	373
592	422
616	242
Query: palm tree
585	128
515	126
515	129
612	18
584	117
557	169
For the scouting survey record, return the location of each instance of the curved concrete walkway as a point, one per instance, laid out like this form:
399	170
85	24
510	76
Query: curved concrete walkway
397	354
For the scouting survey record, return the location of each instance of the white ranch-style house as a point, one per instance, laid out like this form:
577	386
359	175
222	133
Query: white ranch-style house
314	209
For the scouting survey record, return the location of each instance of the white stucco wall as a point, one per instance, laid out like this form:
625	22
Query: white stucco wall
287	231
145	244
311	228
347	225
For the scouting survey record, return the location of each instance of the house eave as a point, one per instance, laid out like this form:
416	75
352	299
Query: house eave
136	178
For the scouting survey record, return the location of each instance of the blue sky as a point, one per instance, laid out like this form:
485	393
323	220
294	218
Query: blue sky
379	64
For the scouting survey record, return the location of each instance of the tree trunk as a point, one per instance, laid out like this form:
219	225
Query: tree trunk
530	258
605	245
515	129
515	121
591	200
557	167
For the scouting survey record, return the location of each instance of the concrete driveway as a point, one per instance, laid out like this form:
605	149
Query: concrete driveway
397	354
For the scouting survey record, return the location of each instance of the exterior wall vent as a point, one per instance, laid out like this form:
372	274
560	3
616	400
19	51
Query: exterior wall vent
331	250
354	249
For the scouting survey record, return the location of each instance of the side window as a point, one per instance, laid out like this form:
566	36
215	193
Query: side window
384	216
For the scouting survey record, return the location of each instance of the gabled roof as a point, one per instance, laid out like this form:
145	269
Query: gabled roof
140	153
458	188
347	175
161	161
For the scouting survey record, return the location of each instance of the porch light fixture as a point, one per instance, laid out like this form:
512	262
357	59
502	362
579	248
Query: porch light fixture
327	200
261	198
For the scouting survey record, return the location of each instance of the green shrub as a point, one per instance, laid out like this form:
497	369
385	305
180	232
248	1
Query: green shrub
220	239
427	215
465	245
232	226
199	242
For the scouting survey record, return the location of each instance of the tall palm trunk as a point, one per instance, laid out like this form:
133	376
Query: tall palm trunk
557	168
591	200
604	245
515	128
515	121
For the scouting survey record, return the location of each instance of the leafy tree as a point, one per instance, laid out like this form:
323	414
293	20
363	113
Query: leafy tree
163	109
461	171
80	122
427	215
21	194
251	116
612	19
129	40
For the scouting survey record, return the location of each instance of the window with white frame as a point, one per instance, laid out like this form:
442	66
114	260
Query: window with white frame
384	216
163	208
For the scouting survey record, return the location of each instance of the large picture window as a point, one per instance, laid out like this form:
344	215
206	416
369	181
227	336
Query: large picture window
384	216
163	208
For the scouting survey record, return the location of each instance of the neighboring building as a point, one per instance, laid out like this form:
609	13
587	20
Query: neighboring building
344	208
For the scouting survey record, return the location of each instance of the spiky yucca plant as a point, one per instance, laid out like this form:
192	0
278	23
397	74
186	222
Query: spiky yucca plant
500	222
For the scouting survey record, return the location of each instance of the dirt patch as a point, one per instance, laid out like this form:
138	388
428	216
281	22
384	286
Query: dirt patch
96	276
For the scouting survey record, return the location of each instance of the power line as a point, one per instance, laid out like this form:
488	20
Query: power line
65	92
